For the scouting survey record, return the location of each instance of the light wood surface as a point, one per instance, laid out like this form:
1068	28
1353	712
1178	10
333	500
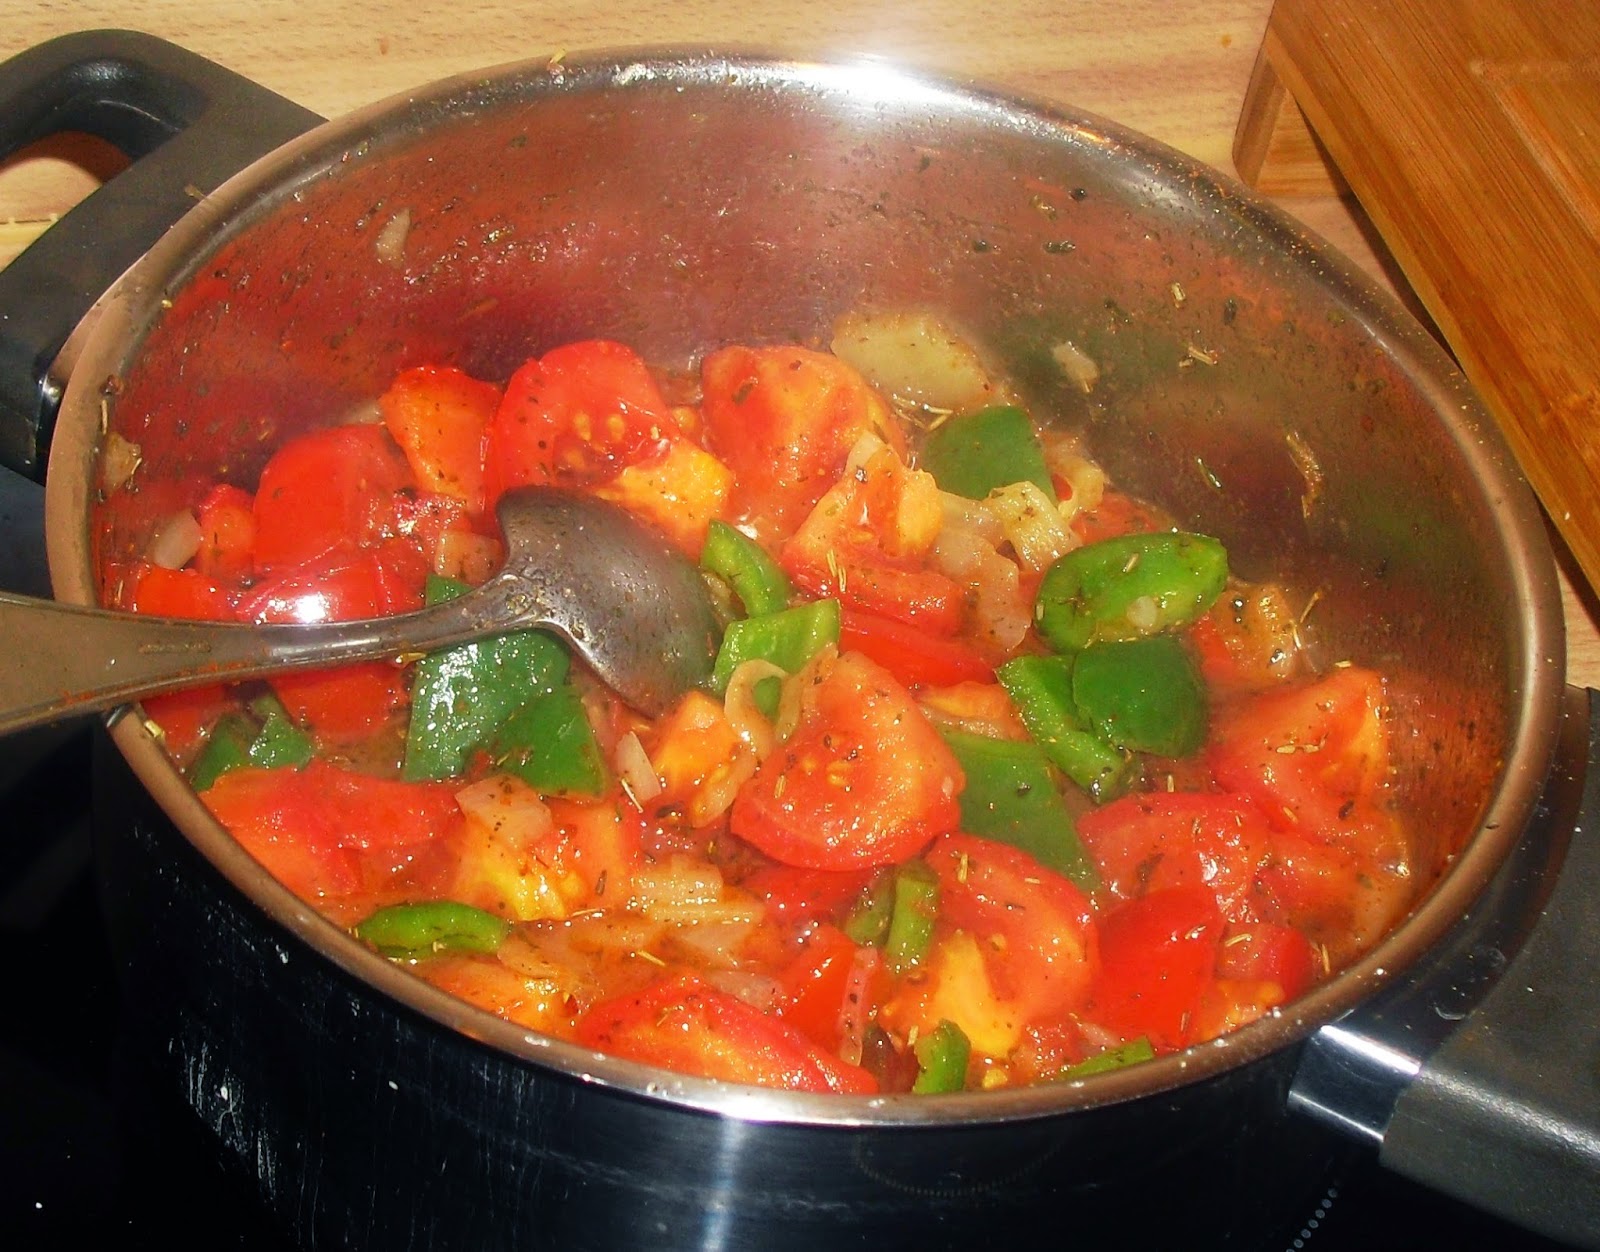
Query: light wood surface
1178	72
1470	132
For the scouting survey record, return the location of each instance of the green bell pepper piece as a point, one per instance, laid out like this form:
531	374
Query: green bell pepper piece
1011	797
461	695
942	1056
742	563
972	454
280	742
227	748
788	639
413	931
1130	1053
916	904
1144	695
551	746
265	737
1041	688
867	924
1171	577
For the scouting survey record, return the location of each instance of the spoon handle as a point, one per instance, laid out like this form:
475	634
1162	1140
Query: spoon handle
63	660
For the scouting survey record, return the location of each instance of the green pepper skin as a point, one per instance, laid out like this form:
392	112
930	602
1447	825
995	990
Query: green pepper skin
1130	1053
265	737
742	563
974	453
1041	688
413	931
1011	797
916	905
1085	596
1144	695
942	1056
788	639
867	924
551	746
461	695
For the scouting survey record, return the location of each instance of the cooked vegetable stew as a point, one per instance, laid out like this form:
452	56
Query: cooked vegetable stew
1001	778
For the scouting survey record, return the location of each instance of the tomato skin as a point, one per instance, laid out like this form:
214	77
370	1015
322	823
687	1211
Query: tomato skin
227	533
178	593
439	416
576	416
327	491
864	780
1269	952
1115	515
1158	957
784	419
1038	927
798	896
915	657
326	832
815	983
1150	841
1313	755
683	1025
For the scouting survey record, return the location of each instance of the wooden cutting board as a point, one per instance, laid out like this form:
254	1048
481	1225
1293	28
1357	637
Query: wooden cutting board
1470	132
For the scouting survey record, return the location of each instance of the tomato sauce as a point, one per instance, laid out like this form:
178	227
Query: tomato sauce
976	799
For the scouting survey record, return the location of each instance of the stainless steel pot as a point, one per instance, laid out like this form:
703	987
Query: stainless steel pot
1249	380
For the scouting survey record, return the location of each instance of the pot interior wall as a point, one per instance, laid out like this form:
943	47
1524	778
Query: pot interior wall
681	208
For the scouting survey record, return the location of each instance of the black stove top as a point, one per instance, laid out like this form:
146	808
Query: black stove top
93	1148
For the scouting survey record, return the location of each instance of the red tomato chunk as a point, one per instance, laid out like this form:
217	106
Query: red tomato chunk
903	815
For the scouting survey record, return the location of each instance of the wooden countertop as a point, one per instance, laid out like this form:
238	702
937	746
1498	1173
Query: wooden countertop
1177	72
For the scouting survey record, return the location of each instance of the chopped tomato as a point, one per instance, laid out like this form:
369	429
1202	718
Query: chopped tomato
683	1025
177	593
1248	639
1154	840
439	415
576	416
699	757
815	984
345	703
1038	925
912	655
343	588
679	491
783	419
595	848
327	491
227	533
864	779
185	717
329	832
1118	514
797	896
1268	952
1315	755
867	543
1158	957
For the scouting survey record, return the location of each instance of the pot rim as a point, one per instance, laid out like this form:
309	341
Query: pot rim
257	190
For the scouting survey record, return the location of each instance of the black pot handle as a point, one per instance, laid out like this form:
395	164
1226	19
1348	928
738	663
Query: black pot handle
1480	1074
186	123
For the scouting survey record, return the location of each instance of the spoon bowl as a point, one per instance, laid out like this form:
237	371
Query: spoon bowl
631	606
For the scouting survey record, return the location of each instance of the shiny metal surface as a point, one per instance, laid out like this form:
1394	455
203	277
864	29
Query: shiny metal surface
634	609
1248	381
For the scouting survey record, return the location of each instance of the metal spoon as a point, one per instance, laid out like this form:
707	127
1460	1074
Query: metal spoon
629	605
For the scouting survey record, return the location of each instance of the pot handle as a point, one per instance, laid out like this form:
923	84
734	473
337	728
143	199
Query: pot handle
185	122
1479	1075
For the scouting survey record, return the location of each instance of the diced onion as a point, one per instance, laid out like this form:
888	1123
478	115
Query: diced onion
972	515
715	945
866	446
715	796
757	990
745	716
509	807
917	358
1084	477
634	769
1000	611
1143	613
119	458
1076	364
390	245
856	1007
175	541
1033	526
